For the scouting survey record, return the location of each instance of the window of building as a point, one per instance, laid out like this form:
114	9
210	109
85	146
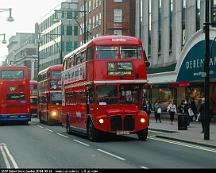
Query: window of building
117	0
69	15
197	15
159	25
117	32
183	21
100	18
213	11
69	30
75	44
76	30
149	28
117	15
68	46
171	21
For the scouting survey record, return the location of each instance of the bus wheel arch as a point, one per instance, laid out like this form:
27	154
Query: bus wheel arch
92	133
143	134
68	129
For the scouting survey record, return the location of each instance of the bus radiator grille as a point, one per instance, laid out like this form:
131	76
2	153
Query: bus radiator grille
116	123
129	123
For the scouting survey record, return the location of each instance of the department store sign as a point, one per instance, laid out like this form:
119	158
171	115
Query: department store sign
192	68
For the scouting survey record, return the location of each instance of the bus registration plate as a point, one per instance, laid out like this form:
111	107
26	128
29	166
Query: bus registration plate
13	116
122	132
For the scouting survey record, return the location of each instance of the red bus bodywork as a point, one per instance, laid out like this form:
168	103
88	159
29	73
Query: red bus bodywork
34	98
95	80
50	95
14	94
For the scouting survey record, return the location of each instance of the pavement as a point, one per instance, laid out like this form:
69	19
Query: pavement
192	135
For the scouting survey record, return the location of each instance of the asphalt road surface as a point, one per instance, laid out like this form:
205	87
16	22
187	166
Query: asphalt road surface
41	146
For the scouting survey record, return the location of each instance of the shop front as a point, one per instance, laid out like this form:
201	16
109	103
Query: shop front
187	81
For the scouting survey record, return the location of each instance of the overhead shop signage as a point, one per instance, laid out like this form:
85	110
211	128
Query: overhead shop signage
192	68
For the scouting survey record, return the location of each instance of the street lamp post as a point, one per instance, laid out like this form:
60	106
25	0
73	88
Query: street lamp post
206	71
3	41
10	18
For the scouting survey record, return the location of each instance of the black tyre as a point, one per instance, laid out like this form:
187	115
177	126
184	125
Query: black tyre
93	134
48	119
142	135
68	129
40	117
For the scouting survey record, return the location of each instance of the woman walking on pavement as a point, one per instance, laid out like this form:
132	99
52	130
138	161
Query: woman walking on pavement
202	112
171	109
157	110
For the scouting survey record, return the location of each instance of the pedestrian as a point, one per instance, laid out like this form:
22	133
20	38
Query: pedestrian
171	109
147	107
194	109
202	113
157	110
186	108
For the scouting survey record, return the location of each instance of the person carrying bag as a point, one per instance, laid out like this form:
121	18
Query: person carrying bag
171	109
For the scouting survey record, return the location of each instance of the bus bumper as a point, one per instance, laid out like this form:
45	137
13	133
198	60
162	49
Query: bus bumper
15	117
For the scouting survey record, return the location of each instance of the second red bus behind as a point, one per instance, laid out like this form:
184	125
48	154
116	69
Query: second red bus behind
50	95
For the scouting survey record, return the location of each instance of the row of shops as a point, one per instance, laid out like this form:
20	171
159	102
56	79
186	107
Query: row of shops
187	80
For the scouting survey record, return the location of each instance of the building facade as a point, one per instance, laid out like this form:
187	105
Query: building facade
57	34
103	17
173	39
22	50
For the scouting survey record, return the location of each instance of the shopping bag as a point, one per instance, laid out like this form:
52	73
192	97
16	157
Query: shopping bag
190	112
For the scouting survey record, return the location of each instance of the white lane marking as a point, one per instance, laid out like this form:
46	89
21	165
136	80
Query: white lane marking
143	167
184	144
113	155
81	142
40	126
10	157
48	130
62	135
4	157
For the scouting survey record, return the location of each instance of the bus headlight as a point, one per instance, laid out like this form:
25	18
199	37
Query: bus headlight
101	120
142	120
54	113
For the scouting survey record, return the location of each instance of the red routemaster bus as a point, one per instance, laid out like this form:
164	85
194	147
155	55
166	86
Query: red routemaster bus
14	94
50	95
34	98
102	83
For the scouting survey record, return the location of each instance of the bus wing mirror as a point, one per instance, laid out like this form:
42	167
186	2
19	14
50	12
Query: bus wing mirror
147	63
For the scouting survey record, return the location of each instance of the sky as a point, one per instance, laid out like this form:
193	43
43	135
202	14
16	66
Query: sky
25	13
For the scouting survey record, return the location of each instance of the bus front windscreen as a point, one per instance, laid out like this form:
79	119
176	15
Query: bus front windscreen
107	94
12	74
130	52
56	75
129	94
105	52
56	97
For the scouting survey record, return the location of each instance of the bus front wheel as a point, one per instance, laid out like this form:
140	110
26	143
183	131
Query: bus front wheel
68	125
142	135
93	134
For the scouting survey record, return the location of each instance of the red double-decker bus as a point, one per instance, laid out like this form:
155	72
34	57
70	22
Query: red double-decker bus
14	94
102	83
50	95
34	98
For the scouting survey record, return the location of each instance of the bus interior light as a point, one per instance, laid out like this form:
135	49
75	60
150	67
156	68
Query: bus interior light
142	120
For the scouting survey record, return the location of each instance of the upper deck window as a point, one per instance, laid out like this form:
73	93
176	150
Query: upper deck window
12	74
56	74
131	52
103	52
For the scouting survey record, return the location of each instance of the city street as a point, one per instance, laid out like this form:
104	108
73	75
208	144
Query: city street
40	146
